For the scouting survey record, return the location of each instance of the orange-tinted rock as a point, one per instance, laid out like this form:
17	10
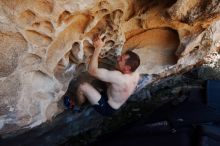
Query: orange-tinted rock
170	36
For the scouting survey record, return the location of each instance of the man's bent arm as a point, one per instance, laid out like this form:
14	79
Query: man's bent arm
101	73
93	65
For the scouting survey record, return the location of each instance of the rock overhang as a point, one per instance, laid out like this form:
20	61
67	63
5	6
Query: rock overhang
44	42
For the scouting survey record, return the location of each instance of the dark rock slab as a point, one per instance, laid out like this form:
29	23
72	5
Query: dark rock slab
70	128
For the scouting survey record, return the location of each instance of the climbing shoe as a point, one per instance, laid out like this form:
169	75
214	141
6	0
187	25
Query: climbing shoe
68	102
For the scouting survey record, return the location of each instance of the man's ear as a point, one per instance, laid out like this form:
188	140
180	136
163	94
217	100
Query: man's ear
127	68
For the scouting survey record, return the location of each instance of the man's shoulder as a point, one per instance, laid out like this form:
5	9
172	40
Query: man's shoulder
115	72
136	75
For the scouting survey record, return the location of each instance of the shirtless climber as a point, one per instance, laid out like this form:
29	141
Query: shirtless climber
122	82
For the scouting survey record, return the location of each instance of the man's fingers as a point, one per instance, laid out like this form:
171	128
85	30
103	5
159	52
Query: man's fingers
96	37
100	37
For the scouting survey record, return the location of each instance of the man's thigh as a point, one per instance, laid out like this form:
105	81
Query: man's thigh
91	93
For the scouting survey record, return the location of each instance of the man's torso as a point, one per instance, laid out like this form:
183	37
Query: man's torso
119	93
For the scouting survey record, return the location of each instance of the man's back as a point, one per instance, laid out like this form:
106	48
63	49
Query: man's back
119	92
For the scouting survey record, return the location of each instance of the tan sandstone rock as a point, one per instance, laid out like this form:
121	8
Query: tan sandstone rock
44	43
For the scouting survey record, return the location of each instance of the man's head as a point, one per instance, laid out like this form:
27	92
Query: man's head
128	62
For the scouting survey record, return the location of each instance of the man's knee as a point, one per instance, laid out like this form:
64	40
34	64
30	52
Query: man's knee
84	86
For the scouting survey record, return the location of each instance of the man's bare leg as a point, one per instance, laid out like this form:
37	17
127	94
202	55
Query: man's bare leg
80	97
87	91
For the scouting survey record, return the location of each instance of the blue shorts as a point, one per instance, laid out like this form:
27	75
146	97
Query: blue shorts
103	107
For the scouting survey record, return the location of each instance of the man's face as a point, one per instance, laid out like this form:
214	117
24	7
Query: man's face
121	62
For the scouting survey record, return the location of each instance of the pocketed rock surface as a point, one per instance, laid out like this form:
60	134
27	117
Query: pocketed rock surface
44	43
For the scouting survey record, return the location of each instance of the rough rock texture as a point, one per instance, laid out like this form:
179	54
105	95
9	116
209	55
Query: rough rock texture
44	43
82	129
